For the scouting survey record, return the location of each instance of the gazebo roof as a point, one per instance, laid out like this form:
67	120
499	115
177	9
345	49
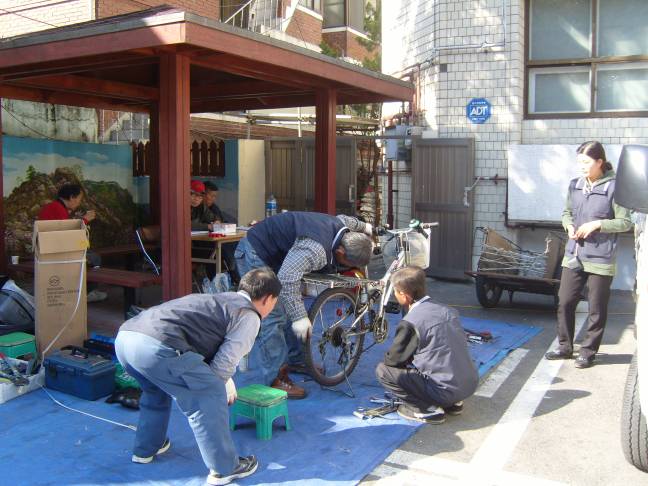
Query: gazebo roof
114	63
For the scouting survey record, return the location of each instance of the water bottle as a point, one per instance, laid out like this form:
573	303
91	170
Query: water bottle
271	206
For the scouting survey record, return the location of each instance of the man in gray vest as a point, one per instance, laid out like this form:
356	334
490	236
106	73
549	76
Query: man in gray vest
292	244
187	350
428	365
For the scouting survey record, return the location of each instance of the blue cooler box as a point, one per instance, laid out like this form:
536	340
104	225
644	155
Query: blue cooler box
75	371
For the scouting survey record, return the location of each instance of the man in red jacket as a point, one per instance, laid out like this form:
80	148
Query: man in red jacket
67	201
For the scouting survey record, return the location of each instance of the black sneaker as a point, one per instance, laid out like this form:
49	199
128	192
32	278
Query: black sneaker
454	409
558	354
435	415
584	361
247	466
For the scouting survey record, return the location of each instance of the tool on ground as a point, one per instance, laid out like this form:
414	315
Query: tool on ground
478	336
11	373
388	405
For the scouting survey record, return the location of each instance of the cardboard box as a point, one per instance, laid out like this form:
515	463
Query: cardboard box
60	283
9	391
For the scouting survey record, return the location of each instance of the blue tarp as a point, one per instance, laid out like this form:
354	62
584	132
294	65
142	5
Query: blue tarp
42	443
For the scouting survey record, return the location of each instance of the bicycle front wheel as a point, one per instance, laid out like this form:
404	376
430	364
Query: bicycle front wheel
334	347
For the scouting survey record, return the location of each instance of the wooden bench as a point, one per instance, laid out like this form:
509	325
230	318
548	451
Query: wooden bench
127	279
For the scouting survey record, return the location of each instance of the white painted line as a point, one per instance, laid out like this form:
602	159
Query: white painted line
498	447
419	470
491	384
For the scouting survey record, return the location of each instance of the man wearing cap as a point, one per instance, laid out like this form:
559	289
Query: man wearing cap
201	217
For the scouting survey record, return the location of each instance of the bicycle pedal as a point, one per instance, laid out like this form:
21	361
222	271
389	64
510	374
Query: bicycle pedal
393	308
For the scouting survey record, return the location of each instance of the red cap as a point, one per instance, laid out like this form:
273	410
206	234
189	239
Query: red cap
197	186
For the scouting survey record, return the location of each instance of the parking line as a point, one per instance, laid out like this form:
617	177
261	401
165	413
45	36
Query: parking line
491	384
498	447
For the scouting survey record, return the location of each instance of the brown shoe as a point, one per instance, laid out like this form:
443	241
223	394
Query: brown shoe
284	383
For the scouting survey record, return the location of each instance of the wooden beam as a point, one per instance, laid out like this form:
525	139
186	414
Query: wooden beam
93	86
3	250
259	103
71	66
325	109
112	43
174	170
70	99
250	88
328	73
258	70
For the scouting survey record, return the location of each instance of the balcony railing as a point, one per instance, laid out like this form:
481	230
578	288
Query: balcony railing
258	15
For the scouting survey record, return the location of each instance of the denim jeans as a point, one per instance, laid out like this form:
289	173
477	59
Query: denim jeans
270	348
163	374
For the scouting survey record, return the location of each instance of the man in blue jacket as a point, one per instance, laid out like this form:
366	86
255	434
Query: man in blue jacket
187	350
428	365
293	244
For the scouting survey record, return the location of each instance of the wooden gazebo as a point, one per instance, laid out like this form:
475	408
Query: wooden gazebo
171	63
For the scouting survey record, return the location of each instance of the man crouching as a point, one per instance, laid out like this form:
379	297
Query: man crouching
187	349
428	365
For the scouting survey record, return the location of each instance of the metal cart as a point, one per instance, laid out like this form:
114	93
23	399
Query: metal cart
504	265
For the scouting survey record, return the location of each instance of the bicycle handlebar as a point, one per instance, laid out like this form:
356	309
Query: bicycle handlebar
415	225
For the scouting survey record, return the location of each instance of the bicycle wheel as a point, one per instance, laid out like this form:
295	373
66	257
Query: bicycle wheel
330	352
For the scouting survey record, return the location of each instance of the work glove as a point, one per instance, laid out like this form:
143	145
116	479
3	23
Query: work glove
302	328
368	229
230	389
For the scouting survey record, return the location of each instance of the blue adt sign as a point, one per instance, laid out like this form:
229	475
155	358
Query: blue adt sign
478	110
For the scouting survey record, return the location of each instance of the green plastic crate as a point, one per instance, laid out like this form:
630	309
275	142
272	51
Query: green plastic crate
17	344
123	379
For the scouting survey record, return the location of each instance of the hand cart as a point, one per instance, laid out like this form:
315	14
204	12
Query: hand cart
504	265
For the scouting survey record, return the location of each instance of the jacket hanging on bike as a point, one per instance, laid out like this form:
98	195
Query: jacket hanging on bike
273	237
431	338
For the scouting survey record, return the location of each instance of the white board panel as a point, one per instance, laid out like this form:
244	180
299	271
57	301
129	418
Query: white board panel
538	177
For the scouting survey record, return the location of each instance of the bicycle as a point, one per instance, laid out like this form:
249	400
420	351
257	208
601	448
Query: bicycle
352	307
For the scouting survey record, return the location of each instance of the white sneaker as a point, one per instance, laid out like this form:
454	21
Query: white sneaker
145	460
96	296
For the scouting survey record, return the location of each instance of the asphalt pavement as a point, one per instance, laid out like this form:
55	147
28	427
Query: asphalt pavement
532	421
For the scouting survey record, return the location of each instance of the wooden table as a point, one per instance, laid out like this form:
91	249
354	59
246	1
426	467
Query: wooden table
215	256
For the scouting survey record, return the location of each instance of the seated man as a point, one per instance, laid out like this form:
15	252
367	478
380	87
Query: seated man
201	217
292	244
428	365
209	200
68	200
187	350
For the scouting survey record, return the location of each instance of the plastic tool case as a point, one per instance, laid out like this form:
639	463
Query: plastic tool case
75	371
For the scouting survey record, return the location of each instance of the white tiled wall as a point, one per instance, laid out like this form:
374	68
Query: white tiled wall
411	31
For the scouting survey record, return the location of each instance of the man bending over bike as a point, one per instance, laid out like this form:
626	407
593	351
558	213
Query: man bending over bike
428	366
293	244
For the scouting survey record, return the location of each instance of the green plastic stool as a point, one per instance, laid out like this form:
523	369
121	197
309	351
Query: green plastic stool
17	344
262	404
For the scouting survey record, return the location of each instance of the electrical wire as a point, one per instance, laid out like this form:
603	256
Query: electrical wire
15	117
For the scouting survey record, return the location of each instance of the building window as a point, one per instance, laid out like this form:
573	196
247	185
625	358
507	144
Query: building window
315	5
587	57
344	13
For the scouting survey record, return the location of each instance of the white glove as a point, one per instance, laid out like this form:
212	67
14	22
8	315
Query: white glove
230	389
368	229
302	328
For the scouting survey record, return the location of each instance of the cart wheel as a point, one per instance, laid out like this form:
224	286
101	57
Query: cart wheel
488	292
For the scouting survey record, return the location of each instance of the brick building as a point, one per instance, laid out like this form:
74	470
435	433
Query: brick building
337	24
551	85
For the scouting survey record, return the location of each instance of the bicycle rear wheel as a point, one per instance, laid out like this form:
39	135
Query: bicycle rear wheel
331	353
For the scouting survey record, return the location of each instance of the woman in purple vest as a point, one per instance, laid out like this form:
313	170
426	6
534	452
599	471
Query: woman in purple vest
592	220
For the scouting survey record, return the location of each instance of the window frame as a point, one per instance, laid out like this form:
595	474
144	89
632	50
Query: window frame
592	63
313	9
346	18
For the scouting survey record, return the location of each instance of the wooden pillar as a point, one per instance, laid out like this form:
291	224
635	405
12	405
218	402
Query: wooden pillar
173	166
153	166
325	106
3	250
